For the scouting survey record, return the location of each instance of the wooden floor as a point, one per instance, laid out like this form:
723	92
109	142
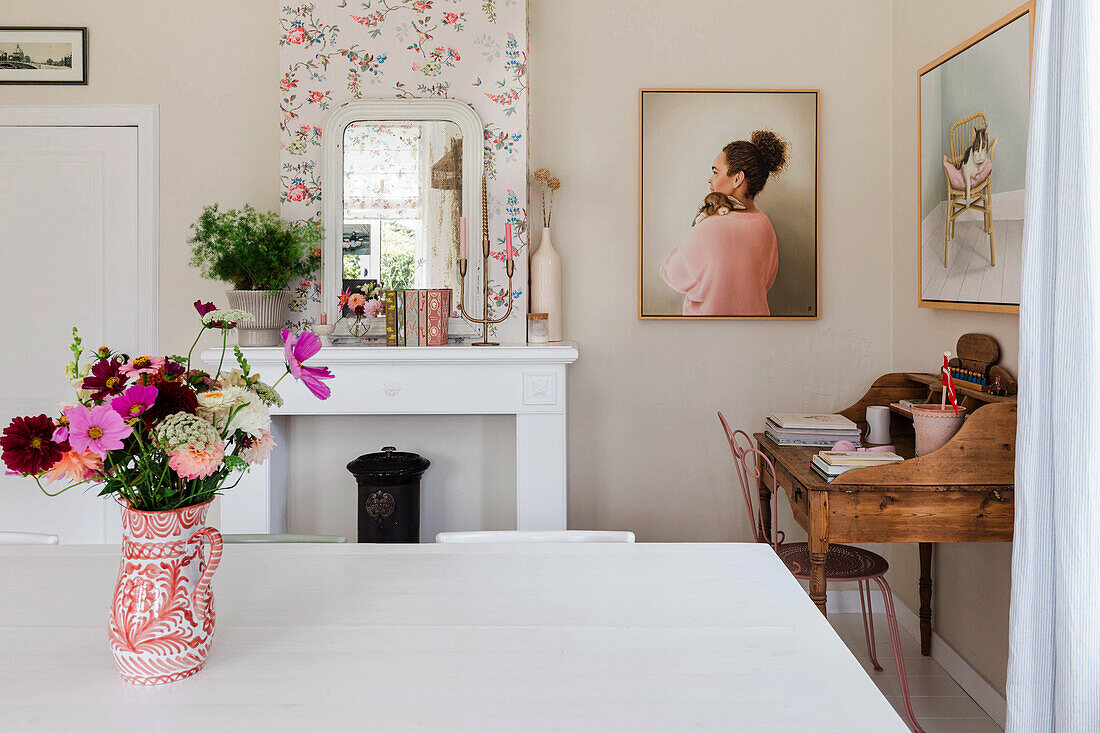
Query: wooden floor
969	276
940	704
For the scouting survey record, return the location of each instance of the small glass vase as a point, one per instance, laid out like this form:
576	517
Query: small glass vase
359	328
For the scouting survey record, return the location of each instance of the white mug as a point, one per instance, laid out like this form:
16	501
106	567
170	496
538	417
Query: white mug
878	425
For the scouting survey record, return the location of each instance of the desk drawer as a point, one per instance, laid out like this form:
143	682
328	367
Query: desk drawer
921	516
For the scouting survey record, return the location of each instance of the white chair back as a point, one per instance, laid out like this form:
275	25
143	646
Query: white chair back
256	539
27	538
503	536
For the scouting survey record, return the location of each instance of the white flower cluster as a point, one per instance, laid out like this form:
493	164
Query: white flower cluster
227	316
236	379
234	408
183	428
252	419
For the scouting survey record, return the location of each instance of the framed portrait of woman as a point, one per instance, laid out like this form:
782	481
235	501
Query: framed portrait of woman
728	204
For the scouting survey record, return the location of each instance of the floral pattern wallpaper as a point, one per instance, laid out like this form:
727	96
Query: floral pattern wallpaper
475	51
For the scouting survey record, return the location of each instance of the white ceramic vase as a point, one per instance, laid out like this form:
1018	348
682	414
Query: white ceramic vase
546	284
270	311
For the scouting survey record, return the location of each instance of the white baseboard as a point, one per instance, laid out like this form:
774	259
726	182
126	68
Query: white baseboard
1007	205
992	702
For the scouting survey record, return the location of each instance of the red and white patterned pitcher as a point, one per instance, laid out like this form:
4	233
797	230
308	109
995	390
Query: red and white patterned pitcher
162	617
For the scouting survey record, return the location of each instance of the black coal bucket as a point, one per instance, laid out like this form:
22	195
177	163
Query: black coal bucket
389	495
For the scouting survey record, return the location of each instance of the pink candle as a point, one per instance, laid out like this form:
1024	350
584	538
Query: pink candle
324	319
462	238
508	237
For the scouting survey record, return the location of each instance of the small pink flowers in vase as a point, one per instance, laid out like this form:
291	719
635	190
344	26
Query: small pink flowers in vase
163	439
362	305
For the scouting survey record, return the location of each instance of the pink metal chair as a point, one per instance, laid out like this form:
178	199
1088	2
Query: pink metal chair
844	563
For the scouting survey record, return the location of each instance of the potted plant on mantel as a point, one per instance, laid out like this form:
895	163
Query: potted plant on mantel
161	439
258	254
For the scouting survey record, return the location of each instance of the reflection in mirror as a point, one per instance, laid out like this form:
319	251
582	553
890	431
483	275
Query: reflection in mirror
402	204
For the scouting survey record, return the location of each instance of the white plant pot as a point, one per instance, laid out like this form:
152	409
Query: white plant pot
270	311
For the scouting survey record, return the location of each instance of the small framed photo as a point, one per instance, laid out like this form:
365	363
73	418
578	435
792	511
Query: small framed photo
43	55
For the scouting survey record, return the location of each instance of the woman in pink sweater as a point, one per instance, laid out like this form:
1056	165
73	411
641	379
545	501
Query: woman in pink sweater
729	261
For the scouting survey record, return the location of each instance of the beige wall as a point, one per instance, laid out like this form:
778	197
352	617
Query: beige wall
645	449
971	581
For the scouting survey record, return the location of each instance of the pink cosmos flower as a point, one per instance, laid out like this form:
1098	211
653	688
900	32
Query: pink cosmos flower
135	401
258	449
75	466
193	462
298	348
97	430
142	365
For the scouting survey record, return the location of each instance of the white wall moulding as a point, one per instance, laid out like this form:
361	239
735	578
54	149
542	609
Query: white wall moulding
527	381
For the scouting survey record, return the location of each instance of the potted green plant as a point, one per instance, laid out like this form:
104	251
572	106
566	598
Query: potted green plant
259	254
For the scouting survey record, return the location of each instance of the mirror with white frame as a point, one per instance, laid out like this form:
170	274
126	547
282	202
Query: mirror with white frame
399	176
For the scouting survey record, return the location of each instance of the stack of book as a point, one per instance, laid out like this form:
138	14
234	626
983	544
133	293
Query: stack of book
831	463
810	430
417	317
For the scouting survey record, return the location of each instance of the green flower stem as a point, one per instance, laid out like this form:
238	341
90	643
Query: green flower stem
225	338
193	345
59	493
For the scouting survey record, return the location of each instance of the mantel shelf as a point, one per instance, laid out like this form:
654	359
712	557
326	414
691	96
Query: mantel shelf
564	352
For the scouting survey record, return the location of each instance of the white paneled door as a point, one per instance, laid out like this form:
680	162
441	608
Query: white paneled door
69	234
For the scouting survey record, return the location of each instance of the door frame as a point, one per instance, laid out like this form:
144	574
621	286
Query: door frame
146	118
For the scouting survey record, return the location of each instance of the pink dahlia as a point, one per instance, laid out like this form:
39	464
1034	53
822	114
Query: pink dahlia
373	308
135	402
256	450
298	348
142	365
75	466
193	462
97	430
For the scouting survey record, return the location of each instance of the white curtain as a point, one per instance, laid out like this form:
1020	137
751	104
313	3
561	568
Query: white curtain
1054	662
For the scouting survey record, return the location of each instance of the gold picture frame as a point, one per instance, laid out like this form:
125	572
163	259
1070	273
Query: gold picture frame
803	273
959	271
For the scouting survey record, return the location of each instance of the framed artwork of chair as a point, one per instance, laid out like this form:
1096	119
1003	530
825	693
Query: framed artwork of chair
972	146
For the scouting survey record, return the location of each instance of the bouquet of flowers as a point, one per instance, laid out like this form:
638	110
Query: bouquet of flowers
365	304
151	430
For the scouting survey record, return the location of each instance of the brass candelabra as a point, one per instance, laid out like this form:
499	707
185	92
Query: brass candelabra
510	264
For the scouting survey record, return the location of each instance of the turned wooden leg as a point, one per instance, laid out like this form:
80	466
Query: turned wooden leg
926	598
766	511
819	546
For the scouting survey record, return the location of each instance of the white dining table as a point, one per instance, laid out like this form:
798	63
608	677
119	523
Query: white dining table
486	638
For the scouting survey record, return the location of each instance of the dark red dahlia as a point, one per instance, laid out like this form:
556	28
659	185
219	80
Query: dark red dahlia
172	397
28	445
173	369
106	379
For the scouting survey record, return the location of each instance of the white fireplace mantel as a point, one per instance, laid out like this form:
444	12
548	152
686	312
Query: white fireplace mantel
527	381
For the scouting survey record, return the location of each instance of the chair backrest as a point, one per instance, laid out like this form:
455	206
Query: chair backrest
27	538
256	539
962	134
750	465
504	536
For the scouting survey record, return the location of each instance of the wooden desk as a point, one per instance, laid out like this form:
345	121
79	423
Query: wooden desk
962	492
